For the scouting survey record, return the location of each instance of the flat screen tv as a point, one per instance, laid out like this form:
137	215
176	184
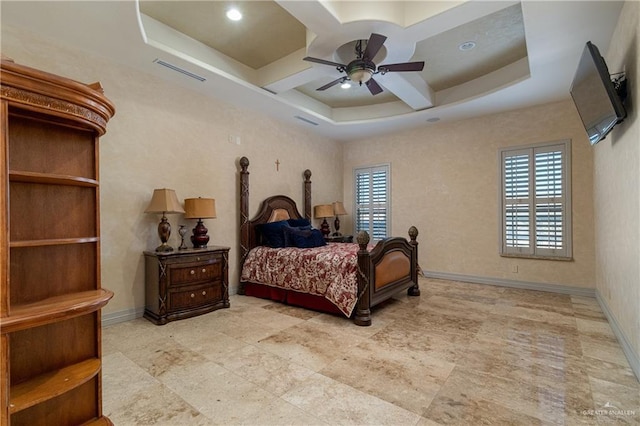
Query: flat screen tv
595	95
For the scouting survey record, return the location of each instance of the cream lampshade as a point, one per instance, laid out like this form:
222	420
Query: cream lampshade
164	201
200	208
323	211
338	210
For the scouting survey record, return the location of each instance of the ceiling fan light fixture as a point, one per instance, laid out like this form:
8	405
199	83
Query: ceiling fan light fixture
361	75
360	71
345	85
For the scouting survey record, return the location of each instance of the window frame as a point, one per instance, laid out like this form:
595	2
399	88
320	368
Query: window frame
533	201
387	205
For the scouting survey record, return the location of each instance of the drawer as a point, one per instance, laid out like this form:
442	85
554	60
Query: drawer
181	274
195	296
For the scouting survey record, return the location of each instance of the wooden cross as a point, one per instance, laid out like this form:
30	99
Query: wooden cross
277	165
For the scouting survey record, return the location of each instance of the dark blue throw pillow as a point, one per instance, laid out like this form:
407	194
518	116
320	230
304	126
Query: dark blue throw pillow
303	238
297	223
273	233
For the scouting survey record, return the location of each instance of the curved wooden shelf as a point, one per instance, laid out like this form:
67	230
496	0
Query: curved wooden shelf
54	309
52	384
51	179
39	91
53	242
49	246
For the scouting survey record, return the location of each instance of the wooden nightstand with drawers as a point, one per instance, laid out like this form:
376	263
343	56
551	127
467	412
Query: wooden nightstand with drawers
185	283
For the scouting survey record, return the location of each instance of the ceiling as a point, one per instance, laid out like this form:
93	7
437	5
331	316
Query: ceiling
523	53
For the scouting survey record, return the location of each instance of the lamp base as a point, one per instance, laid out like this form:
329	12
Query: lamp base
164	232
336	224
163	248
200	237
324	228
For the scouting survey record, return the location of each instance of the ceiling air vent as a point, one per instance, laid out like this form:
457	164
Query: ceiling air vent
306	120
178	69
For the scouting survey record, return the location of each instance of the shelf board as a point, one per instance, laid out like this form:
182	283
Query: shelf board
101	421
54	309
51	178
53	242
52	384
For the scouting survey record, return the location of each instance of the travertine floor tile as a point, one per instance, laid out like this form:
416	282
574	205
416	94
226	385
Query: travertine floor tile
461	354
310	345
337	403
271	372
406	379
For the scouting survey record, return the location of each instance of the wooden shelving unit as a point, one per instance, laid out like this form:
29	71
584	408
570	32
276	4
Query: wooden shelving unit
50	292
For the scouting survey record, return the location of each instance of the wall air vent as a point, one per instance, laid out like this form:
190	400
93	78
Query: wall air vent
178	69
306	120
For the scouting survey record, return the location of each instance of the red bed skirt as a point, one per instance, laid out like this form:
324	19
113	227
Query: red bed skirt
303	300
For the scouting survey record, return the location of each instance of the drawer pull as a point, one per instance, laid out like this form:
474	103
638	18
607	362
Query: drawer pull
193	295
204	293
197	258
192	272
204	270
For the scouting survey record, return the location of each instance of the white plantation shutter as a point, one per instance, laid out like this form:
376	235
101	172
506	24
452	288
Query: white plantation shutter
372	201
517	208
535	200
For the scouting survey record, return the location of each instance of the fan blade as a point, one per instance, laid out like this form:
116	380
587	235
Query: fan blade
323	62
405	66
373	46
333	83
373	87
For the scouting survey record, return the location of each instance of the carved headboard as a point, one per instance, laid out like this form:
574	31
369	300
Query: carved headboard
277	207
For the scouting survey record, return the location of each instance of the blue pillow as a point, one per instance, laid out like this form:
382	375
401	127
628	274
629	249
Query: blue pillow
297	223
303	238
273	234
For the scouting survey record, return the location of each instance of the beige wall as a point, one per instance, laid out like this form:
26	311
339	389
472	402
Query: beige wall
617	191
445	180
165	136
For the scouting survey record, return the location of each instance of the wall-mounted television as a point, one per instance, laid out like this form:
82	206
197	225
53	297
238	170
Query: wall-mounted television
595	96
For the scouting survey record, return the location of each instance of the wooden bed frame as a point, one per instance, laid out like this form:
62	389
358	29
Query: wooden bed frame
390	267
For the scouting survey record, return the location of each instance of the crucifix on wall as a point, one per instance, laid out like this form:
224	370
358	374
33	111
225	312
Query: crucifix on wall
277	165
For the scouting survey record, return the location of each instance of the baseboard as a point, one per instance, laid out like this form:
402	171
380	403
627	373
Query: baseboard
526	285
632	357
121	316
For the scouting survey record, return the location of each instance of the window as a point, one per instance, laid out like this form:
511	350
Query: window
536	200
372	201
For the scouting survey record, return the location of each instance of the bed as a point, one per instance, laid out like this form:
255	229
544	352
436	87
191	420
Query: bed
341	278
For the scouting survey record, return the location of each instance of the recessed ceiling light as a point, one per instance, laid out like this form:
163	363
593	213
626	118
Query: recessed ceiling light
467	45
234	14
345	85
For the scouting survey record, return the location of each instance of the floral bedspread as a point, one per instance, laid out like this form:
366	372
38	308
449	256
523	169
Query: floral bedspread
328	271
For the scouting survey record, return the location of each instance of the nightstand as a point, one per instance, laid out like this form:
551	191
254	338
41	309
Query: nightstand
339	239
185	283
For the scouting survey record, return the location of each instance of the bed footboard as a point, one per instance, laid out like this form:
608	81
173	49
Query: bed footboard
390	267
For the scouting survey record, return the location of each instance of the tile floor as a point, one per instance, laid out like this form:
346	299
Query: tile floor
464	354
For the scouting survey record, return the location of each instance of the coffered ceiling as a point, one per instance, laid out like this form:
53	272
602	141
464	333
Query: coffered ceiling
480	56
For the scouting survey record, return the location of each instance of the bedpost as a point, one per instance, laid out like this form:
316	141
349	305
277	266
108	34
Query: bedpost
363	305
415	289
244	216
307	194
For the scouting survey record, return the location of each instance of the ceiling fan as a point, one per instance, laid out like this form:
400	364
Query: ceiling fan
362	69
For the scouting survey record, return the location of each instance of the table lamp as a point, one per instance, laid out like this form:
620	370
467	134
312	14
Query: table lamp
323	211
338	210
164	201
200	208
